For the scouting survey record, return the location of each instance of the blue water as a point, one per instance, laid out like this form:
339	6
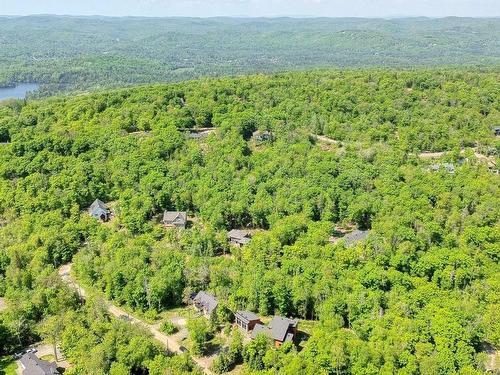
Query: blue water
18	92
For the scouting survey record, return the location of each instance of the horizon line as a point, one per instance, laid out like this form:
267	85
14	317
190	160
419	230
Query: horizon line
291	16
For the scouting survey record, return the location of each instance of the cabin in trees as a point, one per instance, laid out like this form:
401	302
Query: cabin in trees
279	329
32	365
246	320
355	237
238	237
174	219
262	136
99	210
200	134
205	303
497	131
352	238
448	167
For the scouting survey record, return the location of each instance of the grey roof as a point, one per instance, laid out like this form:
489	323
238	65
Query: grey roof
32	365
206	300
199	135
356	236
247	315
450	168
262	135
259	328
289	337
177	217
237	233
98	207
279	327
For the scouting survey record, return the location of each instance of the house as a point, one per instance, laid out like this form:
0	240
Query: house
200	134
99	210
448	167
205	303
279	329
497	131
32	365
174	219
352	238
355	237
262	136
238	237
246	320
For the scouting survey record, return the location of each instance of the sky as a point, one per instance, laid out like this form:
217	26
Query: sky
256	8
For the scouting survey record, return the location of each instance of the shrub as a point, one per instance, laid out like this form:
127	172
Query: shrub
168	327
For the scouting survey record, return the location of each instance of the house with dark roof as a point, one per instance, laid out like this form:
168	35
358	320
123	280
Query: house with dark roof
448	167
205	303
193	134
32	365
352	238
99	210
238	237
355	236
497	131
279	329
174	219
246	320
262	136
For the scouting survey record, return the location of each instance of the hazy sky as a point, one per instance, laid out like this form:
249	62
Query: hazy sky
209	8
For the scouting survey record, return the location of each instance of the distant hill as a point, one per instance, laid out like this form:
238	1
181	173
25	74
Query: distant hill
82	53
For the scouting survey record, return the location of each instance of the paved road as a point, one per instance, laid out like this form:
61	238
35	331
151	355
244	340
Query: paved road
169	343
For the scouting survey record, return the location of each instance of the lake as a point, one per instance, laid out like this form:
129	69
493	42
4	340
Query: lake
18	92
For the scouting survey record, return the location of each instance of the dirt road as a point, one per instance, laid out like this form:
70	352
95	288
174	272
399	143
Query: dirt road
169	343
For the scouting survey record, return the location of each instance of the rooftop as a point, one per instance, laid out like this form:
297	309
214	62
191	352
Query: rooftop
98	205
171	216
355	236
277	329
206	300
247	315
239	234
35	366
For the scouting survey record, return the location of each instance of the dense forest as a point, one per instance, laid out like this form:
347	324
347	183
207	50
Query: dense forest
420	296
83	53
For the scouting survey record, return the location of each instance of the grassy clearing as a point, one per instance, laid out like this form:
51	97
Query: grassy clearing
8	365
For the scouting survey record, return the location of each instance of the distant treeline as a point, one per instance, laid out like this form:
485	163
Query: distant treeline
87	53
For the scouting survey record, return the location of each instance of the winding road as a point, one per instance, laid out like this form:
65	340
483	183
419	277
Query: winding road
170	344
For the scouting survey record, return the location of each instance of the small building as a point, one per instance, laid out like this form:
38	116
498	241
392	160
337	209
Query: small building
32	365
448	167
351	238
193	134
99	210
246	320
355	237
262	136
205	303
238	237
279	329
497	131
174	219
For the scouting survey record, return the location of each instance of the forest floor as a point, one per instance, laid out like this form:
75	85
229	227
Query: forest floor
169	342
3	304
493	358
